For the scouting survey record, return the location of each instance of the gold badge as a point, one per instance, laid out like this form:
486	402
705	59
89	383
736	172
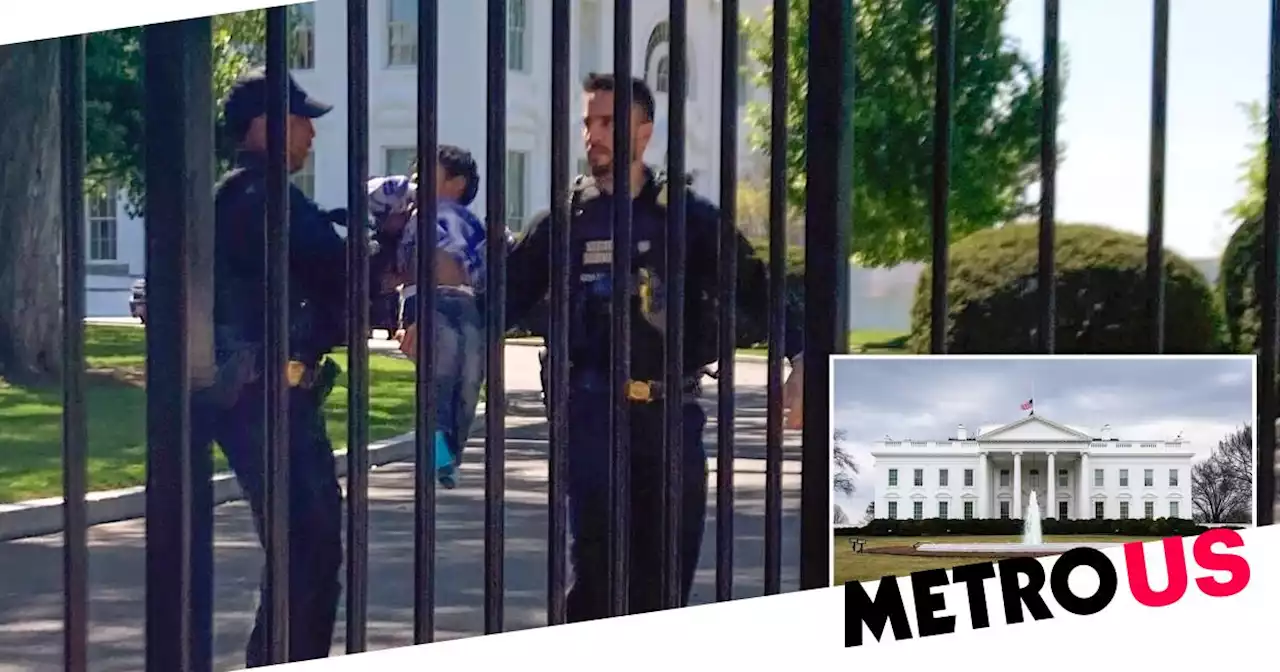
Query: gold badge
639	390
294	373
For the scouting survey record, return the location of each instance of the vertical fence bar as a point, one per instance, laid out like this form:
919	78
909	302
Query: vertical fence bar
424	490
944	62
730	66
828	215
1155	223
558	322
276	233
673	400
1270	284
620	344
1048	179
357	326
178	164
777	299
495	416
75	551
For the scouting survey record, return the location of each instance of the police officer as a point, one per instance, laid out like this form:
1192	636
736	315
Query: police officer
589	336
232	412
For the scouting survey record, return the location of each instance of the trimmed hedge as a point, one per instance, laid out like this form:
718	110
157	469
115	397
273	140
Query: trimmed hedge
942	527
1239	276
994	305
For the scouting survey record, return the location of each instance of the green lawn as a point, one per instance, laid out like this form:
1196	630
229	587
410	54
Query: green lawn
862	341
850	566
30	417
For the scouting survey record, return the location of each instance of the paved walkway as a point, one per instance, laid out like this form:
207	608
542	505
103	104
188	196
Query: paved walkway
31	598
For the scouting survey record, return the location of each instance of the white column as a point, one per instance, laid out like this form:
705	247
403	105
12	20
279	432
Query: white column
1051	498
1017	486
1086	479
983	495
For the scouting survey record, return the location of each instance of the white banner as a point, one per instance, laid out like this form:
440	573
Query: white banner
1223	598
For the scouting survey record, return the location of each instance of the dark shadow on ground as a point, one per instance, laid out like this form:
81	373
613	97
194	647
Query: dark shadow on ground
31	597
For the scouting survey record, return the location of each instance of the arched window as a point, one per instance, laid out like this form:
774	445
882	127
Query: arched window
657	62
662	78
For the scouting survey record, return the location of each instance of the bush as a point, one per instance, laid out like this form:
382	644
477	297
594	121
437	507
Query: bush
994	305
940	527
1239	276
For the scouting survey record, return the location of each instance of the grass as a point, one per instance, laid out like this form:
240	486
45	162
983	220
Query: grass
850	566
862	341
31	417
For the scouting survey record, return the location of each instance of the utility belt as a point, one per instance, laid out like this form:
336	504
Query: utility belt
243	368
638	391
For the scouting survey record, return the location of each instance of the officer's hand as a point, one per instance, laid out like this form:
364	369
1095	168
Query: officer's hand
793	397
408	341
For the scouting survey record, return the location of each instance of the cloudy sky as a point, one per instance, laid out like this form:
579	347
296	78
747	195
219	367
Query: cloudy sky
924	398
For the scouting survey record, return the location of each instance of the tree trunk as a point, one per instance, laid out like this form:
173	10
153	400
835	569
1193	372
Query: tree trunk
30	212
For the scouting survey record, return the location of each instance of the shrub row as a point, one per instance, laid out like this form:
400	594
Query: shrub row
941	527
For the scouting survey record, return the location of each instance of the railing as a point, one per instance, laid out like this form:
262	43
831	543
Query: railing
179	340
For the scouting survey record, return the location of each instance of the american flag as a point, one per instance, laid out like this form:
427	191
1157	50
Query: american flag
1026	405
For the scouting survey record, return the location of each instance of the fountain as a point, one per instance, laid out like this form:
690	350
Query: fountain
1031	524
1032	540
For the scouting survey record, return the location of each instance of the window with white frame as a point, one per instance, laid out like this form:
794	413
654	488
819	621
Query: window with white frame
968	510
1097	478
305	178
1004	510
1062	478
1063	510
943	477
398	160
968	478
1124	478
302	41
893	510
1173	478
1148	477
1099	510
102	214
519	49
1004	478
917	510
918	478
942	510
1173	509
1149	510
1124	510
662	76
517	189
589	36
893	478
402	33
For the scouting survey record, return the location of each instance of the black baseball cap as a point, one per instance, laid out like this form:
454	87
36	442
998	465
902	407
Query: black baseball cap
247	100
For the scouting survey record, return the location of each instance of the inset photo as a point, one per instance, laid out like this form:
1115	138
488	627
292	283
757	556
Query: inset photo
941	461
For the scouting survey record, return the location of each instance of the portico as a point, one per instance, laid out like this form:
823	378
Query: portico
1074	474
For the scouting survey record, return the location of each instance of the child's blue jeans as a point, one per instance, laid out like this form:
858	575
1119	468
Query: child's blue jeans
459	355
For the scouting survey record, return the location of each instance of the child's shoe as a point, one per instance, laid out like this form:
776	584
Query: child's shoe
446	470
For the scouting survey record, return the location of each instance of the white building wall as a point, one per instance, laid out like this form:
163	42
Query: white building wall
1160	492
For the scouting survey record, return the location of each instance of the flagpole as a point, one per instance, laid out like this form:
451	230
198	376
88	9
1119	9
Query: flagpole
1033	395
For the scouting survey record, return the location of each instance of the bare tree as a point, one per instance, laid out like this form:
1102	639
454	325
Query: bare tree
845	467
870	514
840	517
1222	486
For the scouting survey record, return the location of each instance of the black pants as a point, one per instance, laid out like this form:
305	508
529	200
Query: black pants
315	518
589	446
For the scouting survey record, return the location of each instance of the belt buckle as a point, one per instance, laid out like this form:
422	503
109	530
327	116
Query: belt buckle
294	372
639	390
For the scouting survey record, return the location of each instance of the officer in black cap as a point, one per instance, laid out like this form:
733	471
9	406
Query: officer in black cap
232	412
590	333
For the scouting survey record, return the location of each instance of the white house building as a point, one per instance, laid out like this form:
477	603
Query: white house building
992	474
318	61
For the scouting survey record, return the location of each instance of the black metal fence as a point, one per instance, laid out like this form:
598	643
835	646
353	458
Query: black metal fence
179	176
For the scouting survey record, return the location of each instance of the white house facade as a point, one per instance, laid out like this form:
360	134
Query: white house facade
1074	474
318	61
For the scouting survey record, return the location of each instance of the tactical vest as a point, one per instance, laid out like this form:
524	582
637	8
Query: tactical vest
701	318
